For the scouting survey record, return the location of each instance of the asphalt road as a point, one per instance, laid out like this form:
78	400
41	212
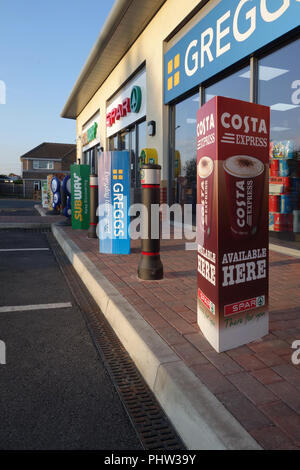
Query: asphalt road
55	392
17	207
16	203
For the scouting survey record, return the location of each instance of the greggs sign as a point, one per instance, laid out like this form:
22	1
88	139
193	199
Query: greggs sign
231	31
128	105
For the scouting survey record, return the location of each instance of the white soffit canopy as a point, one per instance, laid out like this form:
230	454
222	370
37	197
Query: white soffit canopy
126	21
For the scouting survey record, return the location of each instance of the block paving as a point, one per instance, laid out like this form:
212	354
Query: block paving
257	383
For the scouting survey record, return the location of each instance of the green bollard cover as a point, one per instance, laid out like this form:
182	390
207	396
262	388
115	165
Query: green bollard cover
80	187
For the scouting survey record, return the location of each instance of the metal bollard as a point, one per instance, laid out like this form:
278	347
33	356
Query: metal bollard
150	266
92	233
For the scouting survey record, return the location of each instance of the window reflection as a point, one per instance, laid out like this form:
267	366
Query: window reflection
127	140
236	85
124	141
142	143
113	143
279	88
185	157
184	181
132	133
89	158
142	136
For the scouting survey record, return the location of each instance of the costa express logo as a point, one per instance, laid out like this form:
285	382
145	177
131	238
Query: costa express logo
239	126
128	105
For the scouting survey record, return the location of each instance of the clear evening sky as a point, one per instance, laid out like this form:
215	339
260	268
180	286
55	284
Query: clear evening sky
43	47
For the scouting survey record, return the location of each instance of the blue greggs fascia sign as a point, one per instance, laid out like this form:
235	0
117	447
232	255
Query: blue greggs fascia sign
232	30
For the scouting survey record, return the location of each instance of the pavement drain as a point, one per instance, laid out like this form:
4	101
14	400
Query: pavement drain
147	417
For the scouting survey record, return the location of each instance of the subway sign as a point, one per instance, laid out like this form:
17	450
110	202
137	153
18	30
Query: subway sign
128	105
80	195
90	134
230	32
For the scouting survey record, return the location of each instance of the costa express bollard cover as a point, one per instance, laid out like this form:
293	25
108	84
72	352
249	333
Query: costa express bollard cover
232	221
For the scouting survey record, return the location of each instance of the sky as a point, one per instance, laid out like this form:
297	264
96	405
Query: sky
43	47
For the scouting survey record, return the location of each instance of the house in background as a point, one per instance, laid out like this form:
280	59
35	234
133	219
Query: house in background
13	177
45	159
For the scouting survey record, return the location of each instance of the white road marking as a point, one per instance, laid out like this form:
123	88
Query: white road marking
23	308
24	249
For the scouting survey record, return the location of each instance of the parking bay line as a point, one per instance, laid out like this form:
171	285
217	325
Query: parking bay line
23	308
24	249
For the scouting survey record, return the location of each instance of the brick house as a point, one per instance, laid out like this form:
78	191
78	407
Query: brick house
45	159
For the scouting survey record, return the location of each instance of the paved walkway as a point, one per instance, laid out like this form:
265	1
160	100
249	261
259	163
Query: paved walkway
257	383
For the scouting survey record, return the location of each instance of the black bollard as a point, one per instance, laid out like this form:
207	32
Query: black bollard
150	266
92	232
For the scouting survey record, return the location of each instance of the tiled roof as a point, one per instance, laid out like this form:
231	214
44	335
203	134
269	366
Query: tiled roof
49	150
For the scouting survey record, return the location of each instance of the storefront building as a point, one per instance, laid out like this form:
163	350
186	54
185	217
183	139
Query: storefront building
156	62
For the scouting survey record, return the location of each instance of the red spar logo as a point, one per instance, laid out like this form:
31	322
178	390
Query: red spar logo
243	305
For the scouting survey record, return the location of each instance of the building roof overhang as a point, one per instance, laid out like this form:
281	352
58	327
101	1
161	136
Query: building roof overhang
126	21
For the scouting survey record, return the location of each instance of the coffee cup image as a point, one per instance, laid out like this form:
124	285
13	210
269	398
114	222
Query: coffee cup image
244	180
205	170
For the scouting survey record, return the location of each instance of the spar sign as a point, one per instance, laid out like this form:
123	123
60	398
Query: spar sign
128	105
80	191
114	202
232	218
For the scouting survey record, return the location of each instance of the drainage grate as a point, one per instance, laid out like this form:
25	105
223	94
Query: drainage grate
150	422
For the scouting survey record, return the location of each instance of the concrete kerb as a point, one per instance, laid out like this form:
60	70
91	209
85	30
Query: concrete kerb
284	250
199	418
40	210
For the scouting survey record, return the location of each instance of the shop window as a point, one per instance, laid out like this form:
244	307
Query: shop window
184	182
279	88
113	143
142	143
124	141
132	135
90	158
142	136
236	85
133	140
